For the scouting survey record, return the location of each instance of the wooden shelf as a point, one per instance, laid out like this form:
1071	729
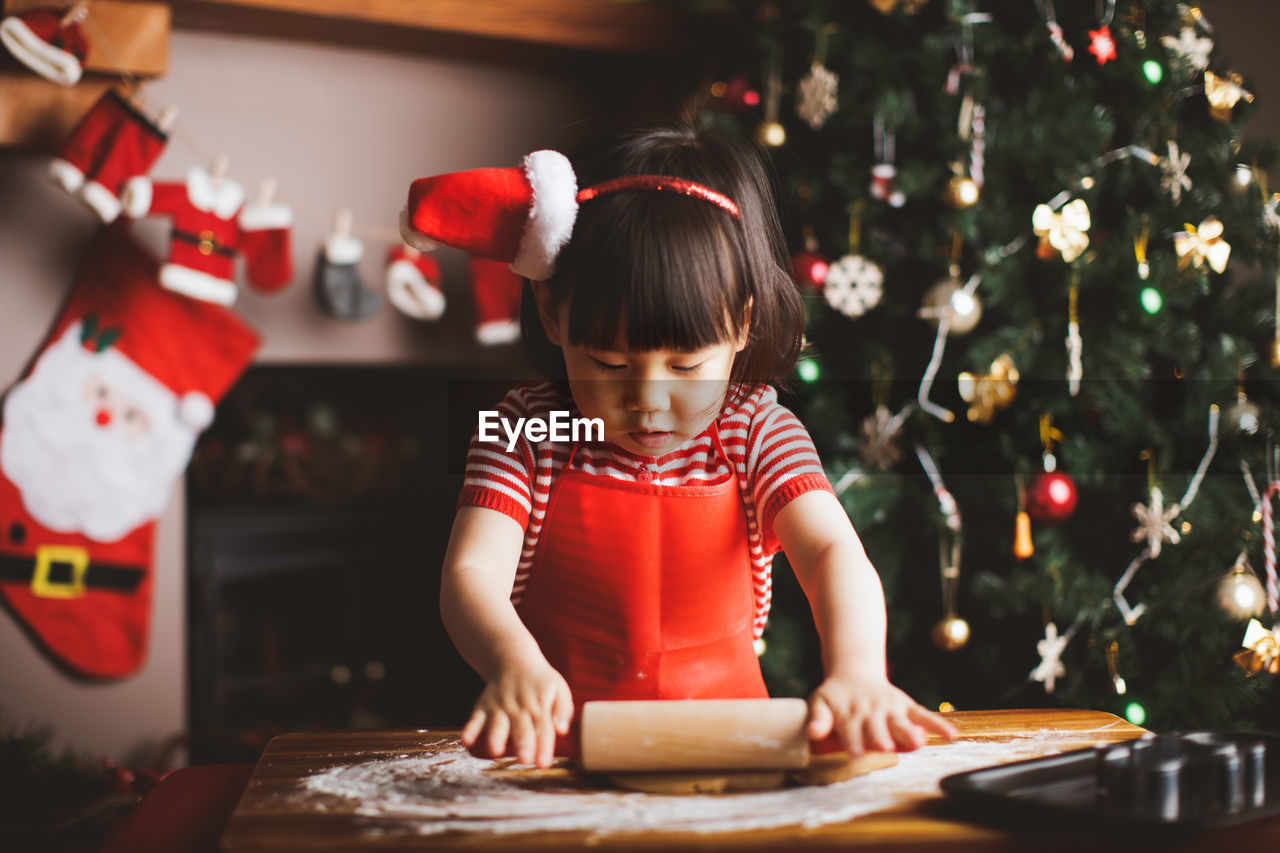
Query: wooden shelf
597	25
132	36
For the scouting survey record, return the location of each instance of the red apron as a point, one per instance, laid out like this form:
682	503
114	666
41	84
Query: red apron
643	591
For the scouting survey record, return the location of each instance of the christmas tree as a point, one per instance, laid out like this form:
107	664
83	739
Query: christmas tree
1041	266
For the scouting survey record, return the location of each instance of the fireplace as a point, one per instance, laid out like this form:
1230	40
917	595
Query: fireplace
319	507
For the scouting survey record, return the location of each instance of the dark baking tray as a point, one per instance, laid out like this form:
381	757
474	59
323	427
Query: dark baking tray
1174	785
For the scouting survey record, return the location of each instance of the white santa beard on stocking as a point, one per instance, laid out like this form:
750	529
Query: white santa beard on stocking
76	476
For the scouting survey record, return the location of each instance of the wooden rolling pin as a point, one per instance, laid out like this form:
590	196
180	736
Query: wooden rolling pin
695	735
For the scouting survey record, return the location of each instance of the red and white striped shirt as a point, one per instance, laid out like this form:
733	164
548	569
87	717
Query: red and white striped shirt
768	447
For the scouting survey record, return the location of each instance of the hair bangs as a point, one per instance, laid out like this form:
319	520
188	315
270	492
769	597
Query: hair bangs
661	272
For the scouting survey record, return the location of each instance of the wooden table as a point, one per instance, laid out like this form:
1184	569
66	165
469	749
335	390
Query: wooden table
278	812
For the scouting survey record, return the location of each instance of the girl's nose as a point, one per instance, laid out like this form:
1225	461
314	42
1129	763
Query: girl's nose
648	395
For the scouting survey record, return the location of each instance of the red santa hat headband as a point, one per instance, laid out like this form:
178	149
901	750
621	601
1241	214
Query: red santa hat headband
523	216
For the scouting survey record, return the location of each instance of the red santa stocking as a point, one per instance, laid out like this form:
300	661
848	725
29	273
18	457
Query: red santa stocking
111	144
495	292
413	283
92	442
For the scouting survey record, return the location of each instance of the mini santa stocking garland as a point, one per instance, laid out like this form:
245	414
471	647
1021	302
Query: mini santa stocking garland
49	41
338	288
212	227
93	440
114	142
413	283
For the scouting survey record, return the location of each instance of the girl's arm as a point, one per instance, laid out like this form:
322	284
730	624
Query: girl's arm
856	699
524	700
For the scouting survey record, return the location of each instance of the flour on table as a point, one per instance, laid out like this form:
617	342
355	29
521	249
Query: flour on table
451	791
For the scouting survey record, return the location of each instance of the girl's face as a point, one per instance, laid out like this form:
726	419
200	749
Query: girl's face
650	401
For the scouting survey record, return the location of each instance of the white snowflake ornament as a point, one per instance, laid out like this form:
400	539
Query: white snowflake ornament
816	95
853	285
1050	649
1155	523
1189	49
1175	178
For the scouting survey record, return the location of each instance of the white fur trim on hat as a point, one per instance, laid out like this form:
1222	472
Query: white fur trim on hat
411	293
551	214
412	236
102	200
197	284
137	197
339	249
221	197
195	410
497	332
49	62
65	174
257	217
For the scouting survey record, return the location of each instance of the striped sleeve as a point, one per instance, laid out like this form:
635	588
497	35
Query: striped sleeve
501	479
782	464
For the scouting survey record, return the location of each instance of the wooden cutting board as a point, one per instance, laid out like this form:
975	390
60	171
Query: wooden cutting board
279	812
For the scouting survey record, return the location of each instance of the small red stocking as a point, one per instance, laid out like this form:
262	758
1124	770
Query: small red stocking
413	283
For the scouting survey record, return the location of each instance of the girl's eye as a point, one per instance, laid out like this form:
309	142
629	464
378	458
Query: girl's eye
606	366
690	369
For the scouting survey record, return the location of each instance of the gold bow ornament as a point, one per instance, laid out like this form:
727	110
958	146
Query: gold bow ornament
988	393
1223	93
1063	232
1198	245
1261	650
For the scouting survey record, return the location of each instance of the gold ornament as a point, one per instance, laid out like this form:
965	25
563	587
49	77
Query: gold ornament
951	633
1063	232
884	7
772	134
1022	544
1223	93
1261	650
1239	593
988	393
1198	245
948	298
961	192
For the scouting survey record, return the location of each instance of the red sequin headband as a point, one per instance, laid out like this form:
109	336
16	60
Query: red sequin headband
662	183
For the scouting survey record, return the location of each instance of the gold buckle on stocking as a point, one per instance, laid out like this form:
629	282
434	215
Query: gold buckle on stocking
47	556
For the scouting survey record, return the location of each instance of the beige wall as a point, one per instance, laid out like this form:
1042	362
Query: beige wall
335	127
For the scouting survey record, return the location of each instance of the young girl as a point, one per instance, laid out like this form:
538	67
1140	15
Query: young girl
637	566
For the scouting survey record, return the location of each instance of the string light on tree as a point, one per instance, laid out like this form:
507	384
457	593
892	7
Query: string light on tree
1153	71
1135	713
1151	300
808	370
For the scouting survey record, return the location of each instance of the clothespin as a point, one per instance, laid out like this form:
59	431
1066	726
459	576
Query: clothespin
218	168
266	191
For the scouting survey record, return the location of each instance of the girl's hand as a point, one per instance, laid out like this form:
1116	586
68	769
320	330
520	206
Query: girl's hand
869	713
526	706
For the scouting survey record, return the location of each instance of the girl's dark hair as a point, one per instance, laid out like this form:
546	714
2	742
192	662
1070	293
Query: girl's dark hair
680	271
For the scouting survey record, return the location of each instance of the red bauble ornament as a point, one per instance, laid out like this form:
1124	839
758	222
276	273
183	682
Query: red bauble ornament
810	267
1051	497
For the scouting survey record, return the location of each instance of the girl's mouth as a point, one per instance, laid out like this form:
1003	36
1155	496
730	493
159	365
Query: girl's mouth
650	438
